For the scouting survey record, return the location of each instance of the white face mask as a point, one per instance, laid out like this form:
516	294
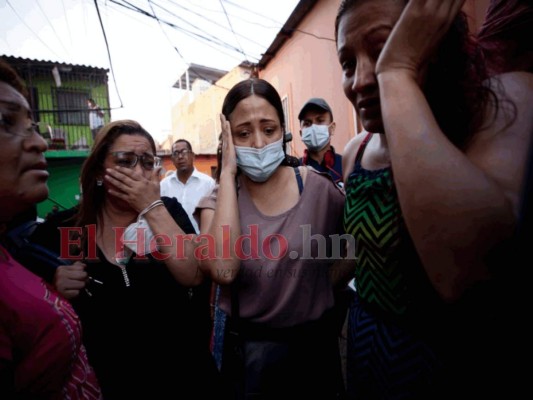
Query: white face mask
260	164
133	238
315	137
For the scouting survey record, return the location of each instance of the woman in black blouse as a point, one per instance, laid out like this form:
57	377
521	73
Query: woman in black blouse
133	300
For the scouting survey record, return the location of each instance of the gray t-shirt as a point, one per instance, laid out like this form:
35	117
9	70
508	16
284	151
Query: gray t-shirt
283	279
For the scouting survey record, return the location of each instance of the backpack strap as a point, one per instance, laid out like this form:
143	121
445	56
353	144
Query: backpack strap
19	234
299	180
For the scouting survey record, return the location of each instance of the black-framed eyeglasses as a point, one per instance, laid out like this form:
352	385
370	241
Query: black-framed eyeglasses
183	153
129	159
15	120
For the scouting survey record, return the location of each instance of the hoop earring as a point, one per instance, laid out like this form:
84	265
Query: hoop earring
99	182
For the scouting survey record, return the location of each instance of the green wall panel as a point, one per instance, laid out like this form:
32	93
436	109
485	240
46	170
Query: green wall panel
63	184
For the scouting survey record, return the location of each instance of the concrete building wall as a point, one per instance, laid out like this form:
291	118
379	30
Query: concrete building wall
196	118
307	66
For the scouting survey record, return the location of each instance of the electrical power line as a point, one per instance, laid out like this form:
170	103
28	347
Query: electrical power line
68	23
262	16
108	52
195	4
232	30
211	38
53	29
209	41
312	34
252	12
163	30
179	53
8	46
207	19
31	30
134	17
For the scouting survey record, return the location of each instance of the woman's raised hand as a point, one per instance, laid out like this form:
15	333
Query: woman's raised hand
416	36
134	187
229	159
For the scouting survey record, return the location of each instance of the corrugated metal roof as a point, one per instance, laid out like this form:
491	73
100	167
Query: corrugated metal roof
196	71
211	75
20	60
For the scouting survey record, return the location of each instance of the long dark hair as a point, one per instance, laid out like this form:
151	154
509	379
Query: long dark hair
258	87
454	85
505	36
93	195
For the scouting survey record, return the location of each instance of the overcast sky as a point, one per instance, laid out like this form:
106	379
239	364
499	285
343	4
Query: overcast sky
147	55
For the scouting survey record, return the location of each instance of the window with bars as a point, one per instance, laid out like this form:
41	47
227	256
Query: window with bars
72	106
34	103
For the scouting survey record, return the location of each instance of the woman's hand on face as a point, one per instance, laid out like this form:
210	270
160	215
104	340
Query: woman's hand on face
134	187
417	35
229	160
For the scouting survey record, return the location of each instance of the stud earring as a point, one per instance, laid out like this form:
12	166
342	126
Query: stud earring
99	182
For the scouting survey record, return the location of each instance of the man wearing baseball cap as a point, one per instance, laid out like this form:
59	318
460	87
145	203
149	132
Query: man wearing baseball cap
316	128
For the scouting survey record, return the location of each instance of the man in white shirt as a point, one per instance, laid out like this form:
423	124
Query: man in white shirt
188	185
96	117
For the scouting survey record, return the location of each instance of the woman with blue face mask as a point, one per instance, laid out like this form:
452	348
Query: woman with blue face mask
274	228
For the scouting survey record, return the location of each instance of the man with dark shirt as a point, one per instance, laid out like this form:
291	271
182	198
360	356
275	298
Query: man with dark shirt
316	128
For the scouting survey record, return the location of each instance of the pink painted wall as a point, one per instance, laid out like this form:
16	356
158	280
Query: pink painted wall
307	66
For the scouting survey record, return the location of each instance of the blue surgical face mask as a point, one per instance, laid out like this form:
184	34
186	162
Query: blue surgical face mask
315	137
260	164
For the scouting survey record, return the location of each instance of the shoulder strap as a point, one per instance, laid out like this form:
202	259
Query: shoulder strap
362	148
299	180
34	257
19	234
338	177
